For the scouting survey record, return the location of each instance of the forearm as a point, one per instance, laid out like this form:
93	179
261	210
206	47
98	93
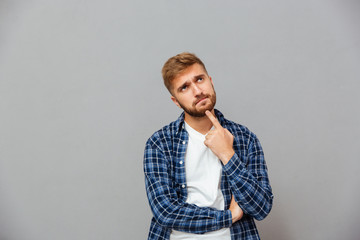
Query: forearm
169	209
252	193
172	213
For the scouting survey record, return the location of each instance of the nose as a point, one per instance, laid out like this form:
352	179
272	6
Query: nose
196	90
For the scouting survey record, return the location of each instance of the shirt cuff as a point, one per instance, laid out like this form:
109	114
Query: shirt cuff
235	166
227	219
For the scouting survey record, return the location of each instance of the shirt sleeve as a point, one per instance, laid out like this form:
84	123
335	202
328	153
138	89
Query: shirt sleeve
249	182
168	210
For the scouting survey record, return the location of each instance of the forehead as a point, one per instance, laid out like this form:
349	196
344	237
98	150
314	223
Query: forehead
188	74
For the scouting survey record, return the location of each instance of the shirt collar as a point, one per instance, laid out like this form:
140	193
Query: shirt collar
179	123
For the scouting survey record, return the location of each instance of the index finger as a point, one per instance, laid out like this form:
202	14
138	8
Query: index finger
213	119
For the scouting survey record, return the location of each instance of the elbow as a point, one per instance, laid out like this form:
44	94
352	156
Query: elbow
163	216
261	216
163	220
264	210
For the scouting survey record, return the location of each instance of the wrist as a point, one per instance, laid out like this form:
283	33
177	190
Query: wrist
225	158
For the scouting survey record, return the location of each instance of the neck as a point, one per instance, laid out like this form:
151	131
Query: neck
200	124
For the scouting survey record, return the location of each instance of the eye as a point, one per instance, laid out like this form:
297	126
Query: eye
200	79
183	88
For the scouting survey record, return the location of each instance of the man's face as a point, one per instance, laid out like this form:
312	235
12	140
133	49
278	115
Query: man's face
193	91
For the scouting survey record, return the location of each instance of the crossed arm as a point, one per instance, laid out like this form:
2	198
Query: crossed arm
170	211
249	186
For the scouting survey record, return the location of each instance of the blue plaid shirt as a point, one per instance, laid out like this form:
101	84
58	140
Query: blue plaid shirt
244	176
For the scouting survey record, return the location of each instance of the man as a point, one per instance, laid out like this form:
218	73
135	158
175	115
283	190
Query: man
205	176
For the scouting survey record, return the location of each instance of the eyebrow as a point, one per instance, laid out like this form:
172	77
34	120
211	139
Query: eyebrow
198	76
182	85
187	82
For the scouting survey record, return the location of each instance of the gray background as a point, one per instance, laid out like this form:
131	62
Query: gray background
81	91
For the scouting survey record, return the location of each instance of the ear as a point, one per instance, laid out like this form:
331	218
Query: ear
211	81
175	101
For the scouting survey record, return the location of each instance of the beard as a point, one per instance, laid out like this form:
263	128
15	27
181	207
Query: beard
192	111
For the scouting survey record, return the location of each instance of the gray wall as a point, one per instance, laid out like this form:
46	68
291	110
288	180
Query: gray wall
81	91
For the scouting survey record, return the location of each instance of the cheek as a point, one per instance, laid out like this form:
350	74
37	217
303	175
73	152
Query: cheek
210	91
187	100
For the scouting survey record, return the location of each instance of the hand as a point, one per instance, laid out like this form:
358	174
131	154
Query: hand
236	212
219	140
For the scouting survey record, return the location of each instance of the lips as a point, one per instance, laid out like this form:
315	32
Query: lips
200	100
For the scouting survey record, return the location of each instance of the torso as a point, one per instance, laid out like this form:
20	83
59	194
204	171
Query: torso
203	177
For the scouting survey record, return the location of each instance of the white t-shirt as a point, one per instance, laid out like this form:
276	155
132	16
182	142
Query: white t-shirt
203	177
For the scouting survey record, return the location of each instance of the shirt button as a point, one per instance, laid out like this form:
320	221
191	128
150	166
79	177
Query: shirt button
183	186
181	162
183	142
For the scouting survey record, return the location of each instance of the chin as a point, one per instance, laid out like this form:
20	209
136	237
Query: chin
201	112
